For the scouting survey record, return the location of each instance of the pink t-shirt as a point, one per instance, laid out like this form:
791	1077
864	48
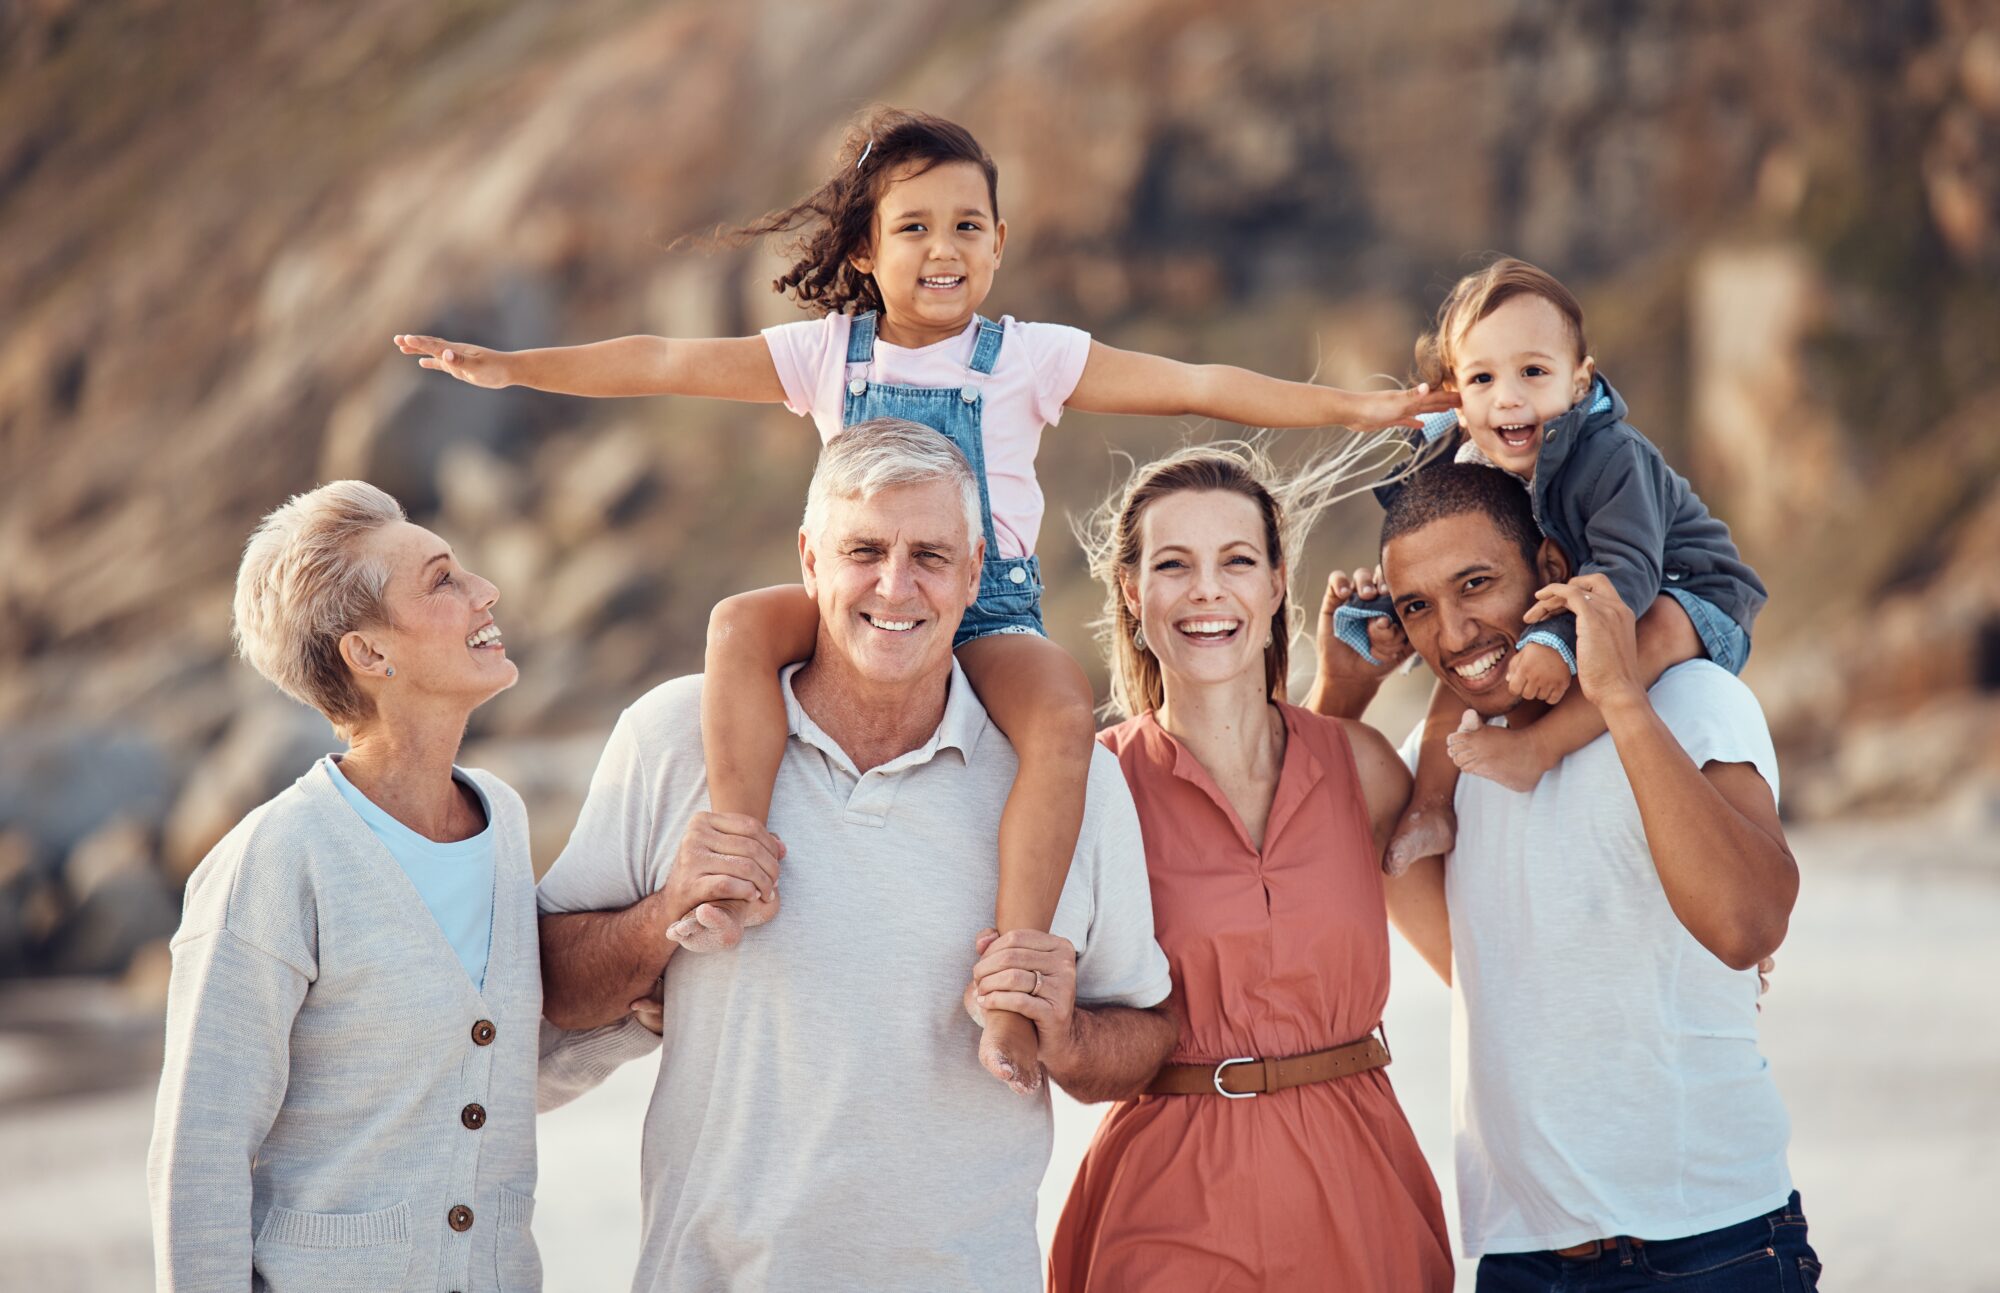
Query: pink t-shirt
1038	367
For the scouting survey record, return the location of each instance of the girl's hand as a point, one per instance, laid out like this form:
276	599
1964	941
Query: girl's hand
474	364
722	856
1374	410
1607	646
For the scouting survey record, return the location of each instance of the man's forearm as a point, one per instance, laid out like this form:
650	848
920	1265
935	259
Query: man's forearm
596	963
1730	880
1116	1052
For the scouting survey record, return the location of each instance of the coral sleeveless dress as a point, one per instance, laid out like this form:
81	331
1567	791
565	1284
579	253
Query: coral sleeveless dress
1274	953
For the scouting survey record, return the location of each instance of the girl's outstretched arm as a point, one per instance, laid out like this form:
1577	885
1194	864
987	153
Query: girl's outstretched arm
722	368
1127	381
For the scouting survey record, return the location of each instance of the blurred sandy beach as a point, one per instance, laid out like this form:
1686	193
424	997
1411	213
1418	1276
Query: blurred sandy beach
1879	1026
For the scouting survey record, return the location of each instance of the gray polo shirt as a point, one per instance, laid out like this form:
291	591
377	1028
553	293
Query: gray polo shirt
821	1118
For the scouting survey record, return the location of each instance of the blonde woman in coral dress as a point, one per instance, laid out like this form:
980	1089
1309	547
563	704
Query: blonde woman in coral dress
1264	825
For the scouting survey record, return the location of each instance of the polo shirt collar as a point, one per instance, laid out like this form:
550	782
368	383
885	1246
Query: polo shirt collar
964	722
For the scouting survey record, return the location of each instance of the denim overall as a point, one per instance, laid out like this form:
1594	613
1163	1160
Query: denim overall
1010	588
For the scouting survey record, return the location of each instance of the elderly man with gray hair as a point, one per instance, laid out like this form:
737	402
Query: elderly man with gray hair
821	1118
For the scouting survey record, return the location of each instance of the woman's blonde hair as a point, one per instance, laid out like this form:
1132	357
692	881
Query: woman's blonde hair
304	584
1479	294
1289	502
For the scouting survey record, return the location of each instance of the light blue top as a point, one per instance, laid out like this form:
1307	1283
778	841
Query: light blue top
455	880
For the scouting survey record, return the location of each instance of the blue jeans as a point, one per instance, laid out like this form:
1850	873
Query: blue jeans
1723	638
1767	1254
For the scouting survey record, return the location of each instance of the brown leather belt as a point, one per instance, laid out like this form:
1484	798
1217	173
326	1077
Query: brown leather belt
1239	1079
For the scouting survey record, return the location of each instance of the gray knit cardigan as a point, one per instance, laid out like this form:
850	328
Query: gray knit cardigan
340	1109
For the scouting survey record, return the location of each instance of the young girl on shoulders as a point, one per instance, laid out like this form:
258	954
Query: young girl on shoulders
897	250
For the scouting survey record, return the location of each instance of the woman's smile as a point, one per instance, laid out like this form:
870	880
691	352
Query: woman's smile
1209	629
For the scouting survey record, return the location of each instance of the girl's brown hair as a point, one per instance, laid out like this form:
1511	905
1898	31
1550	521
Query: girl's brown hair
1289	504
1474	297
836	221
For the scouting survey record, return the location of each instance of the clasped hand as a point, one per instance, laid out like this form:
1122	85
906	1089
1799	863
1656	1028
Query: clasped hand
1034	975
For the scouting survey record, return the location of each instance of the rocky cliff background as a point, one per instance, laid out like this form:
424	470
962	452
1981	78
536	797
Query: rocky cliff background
1783	219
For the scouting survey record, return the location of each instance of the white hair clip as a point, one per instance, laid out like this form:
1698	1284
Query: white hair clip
864	154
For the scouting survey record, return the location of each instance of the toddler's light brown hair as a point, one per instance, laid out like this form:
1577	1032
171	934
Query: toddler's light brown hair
1479	294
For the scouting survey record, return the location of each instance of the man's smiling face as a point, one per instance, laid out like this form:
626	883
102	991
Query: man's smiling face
893	575
1462	587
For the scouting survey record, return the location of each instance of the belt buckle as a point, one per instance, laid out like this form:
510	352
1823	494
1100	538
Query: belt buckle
1234	1095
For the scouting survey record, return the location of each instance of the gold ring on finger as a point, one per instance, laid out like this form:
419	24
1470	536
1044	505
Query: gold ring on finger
1036	991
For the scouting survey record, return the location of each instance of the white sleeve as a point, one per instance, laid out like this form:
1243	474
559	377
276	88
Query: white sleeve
1119	963
608	863
1716	718
1058	353
811	359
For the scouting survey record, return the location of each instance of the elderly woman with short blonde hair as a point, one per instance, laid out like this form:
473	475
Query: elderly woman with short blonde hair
348	1099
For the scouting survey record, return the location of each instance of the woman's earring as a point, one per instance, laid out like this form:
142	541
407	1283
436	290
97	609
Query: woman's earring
392	671
1139	637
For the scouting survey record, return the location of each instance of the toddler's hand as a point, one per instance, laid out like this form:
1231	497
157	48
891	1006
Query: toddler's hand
1374	410
474	364
1537	672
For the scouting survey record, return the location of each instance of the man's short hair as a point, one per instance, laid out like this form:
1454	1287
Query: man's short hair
883	453
1454	488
